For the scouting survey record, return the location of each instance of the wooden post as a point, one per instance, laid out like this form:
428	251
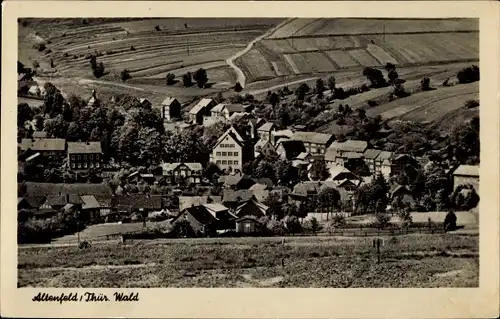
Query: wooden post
378	250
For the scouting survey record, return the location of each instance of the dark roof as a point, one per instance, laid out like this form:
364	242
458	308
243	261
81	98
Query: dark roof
90	202
84	148
266	127
292	147
34	201
137	201
39	134
200	213
233	108
312	137
61	200
467	170
248	217
45	189
232	196
233	180
350	146
44	144
265	181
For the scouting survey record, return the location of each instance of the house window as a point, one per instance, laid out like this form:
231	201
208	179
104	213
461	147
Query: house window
224	153
224	162
229	153
97	156
79	165
72	157
217	154
218	162
79	157
235	153
232	145
235	162
91	156
72	165
223	145
85	165
91	164
229	162
84	157
97	165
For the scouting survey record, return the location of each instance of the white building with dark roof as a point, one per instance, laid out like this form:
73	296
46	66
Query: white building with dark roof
84	155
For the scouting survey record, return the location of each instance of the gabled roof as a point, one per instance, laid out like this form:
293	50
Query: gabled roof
311	187
203	103
262	143
39	134
303	156
189	201
350	146
396	187
312	137
232	196
467	170
218	108
267	127
263	208
264	181
32	157
152	202
384	155
233	108
233	180
84	148
200	214
172	166
215	207
34	201
168	100
287	133
371	153
353	155
234	134
61	200
292	146
90	202
44	144
338	171
45	189
144	100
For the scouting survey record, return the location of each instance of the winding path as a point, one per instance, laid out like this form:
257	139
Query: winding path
240	75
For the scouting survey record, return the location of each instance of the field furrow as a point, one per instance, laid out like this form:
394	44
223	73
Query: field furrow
363	58
342	59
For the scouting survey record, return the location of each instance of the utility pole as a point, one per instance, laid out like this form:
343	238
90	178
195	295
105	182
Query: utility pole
383	33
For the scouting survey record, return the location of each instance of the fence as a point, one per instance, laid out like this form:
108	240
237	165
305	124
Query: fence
365	232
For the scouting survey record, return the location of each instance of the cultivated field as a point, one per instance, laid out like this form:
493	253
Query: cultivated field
408	261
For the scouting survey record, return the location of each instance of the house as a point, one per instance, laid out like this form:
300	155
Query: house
370	156
265	131
281	134
36	90
251	207
338	173
232	150
170	109
145	203
199	110
233	198
466	175
29	189
31	203
248	225
399	162
91	209
177	173
190	201
84	156
200	219
382	164
145	103
315	143
57	202
264	148
222	213
45	146
260	191
236	181
289	149
342	152
227	110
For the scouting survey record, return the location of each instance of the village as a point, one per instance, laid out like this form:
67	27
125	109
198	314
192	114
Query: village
251	174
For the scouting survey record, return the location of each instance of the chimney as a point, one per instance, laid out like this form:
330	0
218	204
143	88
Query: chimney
67	198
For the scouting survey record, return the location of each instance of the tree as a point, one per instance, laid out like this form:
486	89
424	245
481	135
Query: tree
97	68
315	226
274	202
450	221
319	171
405	218
274	99
56	127
157	28
331	83
465	142
238	87
328	198
73	133
36	64
425	84
201	78
382	219
301	91
375	77
468	75
390	67
320	87
393	76
52	63
285	173
170	78
125	75
187	79
24	113
264	169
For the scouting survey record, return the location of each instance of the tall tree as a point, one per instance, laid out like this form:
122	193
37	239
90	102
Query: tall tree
201	78
331	83
319	171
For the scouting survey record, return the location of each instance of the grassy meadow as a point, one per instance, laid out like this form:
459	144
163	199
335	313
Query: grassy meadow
449	260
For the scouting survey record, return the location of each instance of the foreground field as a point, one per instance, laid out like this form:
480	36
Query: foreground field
408	261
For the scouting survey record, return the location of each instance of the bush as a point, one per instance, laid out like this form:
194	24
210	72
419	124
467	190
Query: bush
382	220
40	47
125	75
157	28
36	65
132	48
187	80
372	103
470	104
201	78
468	75
238	87
425	84
170	79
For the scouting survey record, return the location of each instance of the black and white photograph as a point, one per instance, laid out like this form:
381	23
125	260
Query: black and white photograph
248	152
